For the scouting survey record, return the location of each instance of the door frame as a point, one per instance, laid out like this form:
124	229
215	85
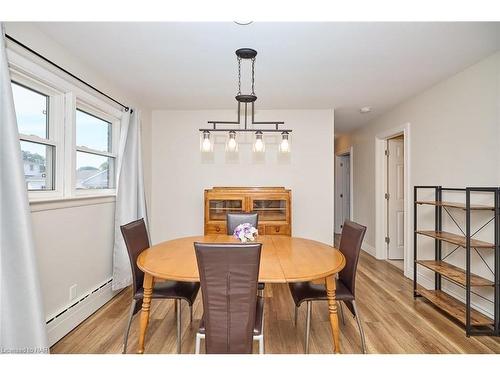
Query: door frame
350	152
380	189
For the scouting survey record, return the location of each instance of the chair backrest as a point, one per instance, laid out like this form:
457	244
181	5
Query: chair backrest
228	276
350	246
136	239
234	219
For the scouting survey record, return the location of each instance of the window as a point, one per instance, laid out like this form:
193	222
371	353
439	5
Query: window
37	145
68	136
95	161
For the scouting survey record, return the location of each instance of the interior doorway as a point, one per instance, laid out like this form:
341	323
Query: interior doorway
395	210
392	203
343	190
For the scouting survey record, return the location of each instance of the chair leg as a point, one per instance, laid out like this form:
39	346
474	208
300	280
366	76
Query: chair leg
341	312
190	313
198	343
361	332
178	311
127	329
295	316
260	338
308	326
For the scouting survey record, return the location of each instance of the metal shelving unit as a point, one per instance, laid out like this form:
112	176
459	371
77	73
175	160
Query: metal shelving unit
475	322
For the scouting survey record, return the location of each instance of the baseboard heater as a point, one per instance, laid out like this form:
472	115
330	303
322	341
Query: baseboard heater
69	318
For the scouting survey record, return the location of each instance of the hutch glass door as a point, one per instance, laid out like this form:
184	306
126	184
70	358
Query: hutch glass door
270	209
218	208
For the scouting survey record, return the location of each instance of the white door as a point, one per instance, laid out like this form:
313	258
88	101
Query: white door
346	178
395	202
342	191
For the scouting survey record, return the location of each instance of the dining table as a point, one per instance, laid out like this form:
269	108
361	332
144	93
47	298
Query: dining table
284	259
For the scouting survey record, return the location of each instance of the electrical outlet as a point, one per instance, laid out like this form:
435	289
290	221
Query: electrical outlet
72	292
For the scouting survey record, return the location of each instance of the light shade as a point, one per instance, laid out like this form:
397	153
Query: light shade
231	143
259	145
206	144
285	143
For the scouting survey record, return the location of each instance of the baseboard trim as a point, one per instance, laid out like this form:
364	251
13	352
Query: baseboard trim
369	249
69	318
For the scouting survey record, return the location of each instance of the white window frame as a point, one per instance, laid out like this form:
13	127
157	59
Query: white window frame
55	130
115	139
67	95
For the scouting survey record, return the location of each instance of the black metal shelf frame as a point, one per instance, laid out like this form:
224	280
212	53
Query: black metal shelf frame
438	223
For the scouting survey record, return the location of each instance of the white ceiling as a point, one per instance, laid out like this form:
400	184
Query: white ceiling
299	65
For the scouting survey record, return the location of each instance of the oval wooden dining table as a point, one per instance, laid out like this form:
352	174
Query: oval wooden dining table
284	259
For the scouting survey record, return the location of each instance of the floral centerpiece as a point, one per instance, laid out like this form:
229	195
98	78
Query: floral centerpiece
245	232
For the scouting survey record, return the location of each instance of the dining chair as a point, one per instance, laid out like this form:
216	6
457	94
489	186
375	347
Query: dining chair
233	314
136	239
350	245
233	219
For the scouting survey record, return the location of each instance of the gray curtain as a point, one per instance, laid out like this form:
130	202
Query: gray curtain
130	197
22	317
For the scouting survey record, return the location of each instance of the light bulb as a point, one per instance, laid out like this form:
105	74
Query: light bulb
206	144
232	144
259	145
285	144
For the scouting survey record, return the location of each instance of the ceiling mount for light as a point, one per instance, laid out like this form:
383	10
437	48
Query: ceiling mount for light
243	23
246	53
243	54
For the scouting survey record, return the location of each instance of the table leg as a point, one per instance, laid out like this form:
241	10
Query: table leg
332	308
146	304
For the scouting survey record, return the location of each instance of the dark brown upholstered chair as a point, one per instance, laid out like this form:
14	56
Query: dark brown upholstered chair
231	307
233	219
350	246
136	239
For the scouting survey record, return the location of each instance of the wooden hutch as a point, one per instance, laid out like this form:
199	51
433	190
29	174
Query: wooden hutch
273	204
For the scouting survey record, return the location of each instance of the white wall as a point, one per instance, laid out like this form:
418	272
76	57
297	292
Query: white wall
455	138
73	249
74	240
181	173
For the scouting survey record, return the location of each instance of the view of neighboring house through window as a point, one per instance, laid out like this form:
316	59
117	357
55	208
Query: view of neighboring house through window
95	161
38	150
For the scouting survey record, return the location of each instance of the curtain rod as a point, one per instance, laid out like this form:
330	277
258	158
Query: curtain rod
65	71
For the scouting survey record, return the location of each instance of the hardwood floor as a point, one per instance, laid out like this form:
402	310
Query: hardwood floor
396	263
393	321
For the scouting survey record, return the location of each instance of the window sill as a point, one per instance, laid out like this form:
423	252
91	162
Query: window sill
46	204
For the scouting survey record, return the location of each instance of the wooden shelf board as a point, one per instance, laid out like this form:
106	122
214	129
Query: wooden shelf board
453	307
456	205
454	273
224	209
456	239
269	209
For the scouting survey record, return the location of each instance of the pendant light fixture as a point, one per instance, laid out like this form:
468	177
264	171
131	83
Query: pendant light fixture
205	142
246	54
259	145
232	143
285	143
